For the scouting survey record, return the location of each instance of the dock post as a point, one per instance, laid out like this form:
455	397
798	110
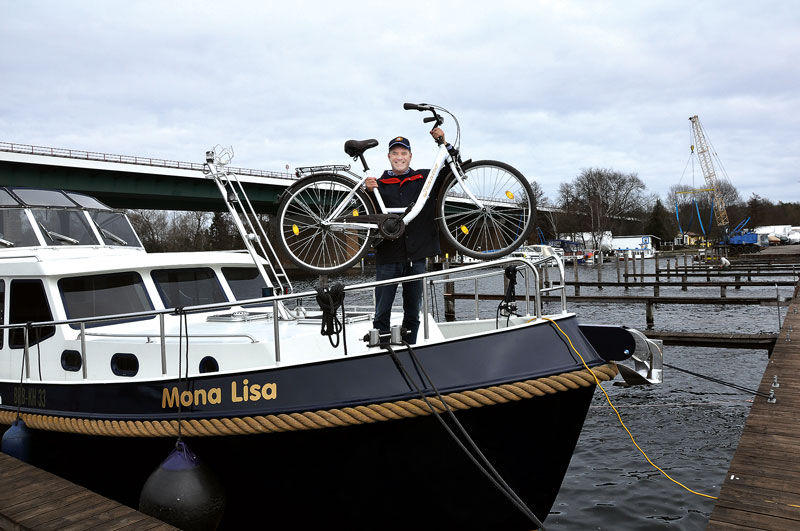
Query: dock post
723	291
600	271
656	290
616	261
684	261
738	282
683	282
650	318
575	270
626	271
658	266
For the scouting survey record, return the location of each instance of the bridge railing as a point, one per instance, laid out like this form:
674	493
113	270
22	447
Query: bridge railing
127	159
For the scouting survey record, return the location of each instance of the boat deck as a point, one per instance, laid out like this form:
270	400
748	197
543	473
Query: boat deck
31	498
762	487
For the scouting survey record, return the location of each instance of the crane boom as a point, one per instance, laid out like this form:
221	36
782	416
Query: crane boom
704	155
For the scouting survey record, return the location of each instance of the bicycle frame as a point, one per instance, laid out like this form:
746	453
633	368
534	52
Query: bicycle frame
442	157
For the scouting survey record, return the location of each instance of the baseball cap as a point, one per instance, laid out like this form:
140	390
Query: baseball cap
400	140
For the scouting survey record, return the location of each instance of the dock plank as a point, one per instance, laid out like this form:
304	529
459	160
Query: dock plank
33	499
762	487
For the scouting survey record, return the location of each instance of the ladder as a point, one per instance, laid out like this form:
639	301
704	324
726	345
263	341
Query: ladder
247	222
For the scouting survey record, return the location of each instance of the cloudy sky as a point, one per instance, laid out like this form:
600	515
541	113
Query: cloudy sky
551	87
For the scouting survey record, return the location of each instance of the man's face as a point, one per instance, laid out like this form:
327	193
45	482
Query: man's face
400	159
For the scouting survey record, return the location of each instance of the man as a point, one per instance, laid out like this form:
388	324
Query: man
399	187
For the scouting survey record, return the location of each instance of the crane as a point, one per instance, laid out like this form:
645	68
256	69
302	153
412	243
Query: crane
704	156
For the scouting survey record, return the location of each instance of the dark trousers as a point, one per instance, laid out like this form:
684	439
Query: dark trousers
412	296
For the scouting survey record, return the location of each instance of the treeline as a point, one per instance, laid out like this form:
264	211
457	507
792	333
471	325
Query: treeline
597	201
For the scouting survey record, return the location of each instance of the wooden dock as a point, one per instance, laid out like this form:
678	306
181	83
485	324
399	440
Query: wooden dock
762	487
32	499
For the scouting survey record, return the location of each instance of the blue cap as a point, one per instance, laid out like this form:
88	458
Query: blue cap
400	140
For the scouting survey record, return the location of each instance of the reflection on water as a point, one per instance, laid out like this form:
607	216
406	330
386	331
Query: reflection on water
688	426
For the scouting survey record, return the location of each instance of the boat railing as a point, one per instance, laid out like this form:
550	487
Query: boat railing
468	273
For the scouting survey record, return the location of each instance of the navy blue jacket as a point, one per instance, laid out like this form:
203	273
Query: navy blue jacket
421	238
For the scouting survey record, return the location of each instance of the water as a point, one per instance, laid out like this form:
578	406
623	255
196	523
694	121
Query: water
688	426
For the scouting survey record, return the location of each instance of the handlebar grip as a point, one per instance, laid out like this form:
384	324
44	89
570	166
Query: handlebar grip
411	107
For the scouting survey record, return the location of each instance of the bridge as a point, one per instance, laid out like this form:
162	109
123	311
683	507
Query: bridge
123	181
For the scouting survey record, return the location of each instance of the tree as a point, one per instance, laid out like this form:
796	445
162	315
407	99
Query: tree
658	224
604	196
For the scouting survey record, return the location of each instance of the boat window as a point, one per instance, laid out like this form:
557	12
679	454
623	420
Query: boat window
16	229
64	227
246	283
124	364
2	311
71	360
188	287
35	197
28	303
7	200
87	201
106	294
115	228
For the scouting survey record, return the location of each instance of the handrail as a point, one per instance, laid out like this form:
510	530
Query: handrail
525	263
127	159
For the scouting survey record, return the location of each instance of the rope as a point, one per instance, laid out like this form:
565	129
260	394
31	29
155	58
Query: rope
330	300
308	420
721	382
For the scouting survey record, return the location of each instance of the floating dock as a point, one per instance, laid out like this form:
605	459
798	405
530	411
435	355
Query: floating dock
32	499
762	487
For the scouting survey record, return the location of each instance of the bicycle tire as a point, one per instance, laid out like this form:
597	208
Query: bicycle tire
312	245
504	222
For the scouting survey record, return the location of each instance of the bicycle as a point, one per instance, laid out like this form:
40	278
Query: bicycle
327	221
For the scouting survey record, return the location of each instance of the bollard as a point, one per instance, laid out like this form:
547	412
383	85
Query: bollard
775	381
772	398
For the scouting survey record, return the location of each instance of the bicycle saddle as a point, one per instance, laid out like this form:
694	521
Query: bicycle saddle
356	148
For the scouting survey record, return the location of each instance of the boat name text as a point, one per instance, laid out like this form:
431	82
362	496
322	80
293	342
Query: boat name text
240	392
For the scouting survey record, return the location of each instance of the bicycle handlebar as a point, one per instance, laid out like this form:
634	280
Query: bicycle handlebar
417	107
425	107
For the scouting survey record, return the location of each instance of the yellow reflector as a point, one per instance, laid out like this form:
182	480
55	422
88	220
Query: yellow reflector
295	230
355	212
464	229
509	194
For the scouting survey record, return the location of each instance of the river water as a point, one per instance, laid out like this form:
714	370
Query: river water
688	426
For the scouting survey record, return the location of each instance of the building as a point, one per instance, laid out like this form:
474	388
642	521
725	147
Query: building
642	245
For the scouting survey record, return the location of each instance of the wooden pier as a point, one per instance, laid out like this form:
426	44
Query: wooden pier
762	487
32	499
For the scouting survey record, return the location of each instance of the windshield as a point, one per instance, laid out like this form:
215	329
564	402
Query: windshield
64	227
16	229
115	228
106	294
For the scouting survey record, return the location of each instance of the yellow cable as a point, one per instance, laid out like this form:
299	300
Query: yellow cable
620	418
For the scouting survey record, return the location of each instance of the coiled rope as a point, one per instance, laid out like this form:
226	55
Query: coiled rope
328	418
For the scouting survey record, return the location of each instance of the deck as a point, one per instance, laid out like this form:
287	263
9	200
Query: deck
32	499
762	487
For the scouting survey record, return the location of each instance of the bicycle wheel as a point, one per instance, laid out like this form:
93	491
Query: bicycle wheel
307	239
503	221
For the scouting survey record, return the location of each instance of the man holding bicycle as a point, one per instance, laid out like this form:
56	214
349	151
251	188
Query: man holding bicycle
405	256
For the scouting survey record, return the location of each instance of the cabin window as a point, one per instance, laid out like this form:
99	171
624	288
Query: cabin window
246	283
16	229
38	197
71	360
208	364
115	228
188	287
107	294
124	364
64	227
28	303
2	311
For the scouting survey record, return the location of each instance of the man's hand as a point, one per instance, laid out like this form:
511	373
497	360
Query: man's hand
371	183
437	134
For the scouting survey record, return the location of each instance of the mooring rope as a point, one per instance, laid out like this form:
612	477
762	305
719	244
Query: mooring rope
329	418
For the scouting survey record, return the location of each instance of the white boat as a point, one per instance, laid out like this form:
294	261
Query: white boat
108	353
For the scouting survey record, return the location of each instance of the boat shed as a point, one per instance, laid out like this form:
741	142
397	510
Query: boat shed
642	245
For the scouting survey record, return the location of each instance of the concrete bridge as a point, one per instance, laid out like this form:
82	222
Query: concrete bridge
123	181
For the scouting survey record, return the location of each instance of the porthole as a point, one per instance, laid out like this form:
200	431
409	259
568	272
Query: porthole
209	364
71	360
124	364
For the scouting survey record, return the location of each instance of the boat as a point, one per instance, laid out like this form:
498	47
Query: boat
111	354
537	252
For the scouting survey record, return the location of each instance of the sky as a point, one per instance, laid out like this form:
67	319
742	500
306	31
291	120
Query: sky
550	87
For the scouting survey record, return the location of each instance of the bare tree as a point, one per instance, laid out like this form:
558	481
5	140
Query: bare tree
604	198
